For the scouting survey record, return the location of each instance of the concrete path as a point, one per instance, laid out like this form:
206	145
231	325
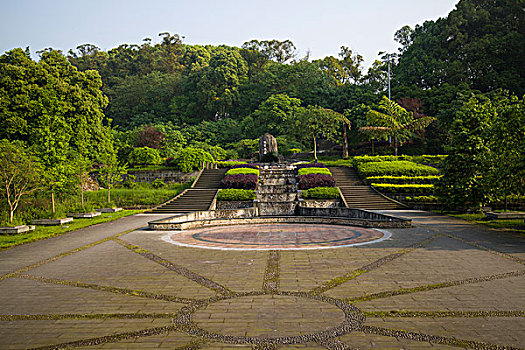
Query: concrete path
442	284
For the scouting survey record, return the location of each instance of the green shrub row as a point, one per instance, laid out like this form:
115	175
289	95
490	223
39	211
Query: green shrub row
387	179
395	168
370	159
229	163
422	199
237	171
233	194
308	171
340	162
410	188
321	193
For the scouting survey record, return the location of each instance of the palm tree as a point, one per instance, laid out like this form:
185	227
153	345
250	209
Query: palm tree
399	123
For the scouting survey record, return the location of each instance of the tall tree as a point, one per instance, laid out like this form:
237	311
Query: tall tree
19	174
399	123
315	122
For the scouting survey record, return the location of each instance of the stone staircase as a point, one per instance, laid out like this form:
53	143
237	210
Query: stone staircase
277	192
359	195
197	198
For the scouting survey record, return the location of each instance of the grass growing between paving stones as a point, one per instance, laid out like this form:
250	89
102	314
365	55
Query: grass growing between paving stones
517	225
43	232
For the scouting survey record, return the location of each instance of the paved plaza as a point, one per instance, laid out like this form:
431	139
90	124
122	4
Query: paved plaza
442	284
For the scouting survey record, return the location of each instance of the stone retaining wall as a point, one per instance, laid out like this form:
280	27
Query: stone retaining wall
334	216
163	175
226	205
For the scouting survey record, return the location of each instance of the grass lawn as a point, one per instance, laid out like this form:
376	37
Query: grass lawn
514	225
42	232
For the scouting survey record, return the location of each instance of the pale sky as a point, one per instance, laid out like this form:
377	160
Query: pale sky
366	26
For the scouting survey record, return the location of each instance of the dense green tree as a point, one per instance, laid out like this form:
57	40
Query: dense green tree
280	51
314	122
276	115
479	43
462	184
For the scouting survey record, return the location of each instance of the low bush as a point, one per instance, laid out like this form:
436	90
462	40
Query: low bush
409	188
434	160
294	150
395	168
234	194
230	163
307	171
237	171
158	183
422	199
144	156
241	181
251	166
310	165
429	179
321	193
190	159
315	180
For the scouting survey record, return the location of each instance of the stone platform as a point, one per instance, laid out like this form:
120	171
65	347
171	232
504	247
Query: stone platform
276	236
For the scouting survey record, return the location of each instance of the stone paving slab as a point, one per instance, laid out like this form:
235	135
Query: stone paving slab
27	254
139	292
483	329
42	333
112	264
238	270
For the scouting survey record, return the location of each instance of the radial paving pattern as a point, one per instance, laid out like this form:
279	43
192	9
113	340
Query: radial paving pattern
442	284
277	236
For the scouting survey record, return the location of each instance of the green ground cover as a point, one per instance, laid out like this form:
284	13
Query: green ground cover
517	225
43	232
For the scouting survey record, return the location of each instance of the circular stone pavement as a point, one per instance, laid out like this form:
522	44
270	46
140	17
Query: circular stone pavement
276	236
290	318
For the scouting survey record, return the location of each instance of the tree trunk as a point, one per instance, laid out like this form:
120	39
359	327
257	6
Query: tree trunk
109	189
345	142
53	200
315	149
395	145
11	215
81	191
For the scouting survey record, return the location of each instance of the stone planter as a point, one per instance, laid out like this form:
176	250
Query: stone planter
13	230
227	205
108	210
51	222
84	215
509	215
321	203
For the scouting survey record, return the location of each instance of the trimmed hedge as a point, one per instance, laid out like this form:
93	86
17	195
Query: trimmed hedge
234	194
307	171
190	159
369	159
422	199
429	179
244	165
340	162
321	193
241	181
310	165
229	163
238	171
409	188
395	168
315	180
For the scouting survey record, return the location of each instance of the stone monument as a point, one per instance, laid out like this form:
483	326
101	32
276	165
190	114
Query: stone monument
267	146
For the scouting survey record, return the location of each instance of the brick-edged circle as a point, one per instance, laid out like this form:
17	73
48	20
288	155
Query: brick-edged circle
353	319
277	236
